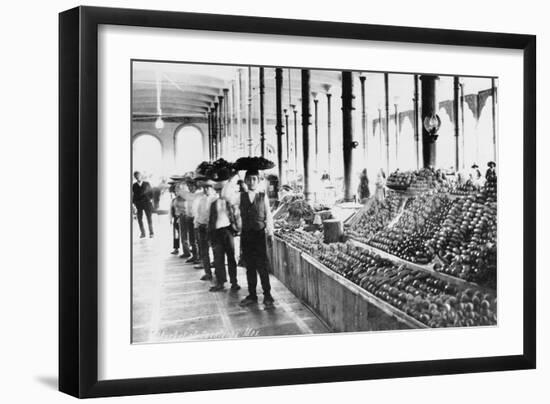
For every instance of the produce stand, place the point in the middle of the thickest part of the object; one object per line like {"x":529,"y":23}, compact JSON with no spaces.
{"x":426,"y":268}
{"x":343,"y":305}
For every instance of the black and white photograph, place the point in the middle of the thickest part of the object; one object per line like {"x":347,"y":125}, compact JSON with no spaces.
{"x":273,"y":201}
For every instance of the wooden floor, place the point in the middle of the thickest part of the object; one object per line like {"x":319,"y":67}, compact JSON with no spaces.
{"x":170,"y":303}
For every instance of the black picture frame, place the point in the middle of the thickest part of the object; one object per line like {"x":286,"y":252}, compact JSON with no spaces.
{"x":78,"y":193}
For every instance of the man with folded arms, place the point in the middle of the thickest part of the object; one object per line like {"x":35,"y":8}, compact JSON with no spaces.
{"x":224,"y":224}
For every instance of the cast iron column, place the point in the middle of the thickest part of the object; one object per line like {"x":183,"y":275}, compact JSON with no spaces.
{"x":494,"y":116}
{"x":416,"y":122}
{"x":363,"y":117}
{"x":462,"y":122}
{"x":226,"y":121}
{"x":329,"y":140}
{"x":295,"y":138}
{"x":279,"y":124}
{"x":239,"y":115}
{"x":316,"y":122}
{"x":456,"y":96}
{"x":215,"y":131}
{"x":429,"y":110}
{"x":347,"y":132}
{"x":249,"y":118}
{"x":262,"y":127}
{"x":305,"y":131}
{"x":221,"y":127}
{"x":387,"y":106}
{"x":287,"y":138}
{"x":209,"y":134}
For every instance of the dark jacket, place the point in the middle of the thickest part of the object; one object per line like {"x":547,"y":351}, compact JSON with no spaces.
{"x":253,"y":214}
{"x":141,"y":195}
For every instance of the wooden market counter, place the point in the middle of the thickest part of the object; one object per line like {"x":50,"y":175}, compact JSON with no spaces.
{"x":342,"y":304}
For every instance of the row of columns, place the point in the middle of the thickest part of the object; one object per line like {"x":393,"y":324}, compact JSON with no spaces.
{"x":426,"y":119}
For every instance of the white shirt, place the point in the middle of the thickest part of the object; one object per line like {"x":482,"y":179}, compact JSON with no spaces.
{"x":222,"y":217}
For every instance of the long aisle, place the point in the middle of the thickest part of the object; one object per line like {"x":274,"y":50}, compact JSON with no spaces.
{"x":171,"y":304}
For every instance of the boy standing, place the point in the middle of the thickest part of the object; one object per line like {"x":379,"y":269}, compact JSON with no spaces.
{"x":257,"y":224}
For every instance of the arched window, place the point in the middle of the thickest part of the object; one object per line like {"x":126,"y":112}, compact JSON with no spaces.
{"x":189,"y":149}
{"x":147,"y":156}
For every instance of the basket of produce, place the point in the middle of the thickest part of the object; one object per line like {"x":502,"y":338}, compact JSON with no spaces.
{"x":222,"y":170}
{"x":300,"y":209}
{"x":203,"y":169}
{"x":253,"y":163}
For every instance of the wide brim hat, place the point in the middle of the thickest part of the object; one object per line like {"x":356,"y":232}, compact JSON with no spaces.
{"x":491,"y":164}
{"x":177,"y":178}
{"x":475,"y":166}
{"x":253,"y":163}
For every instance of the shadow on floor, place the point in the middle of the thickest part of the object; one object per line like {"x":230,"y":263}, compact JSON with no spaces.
{"x":48,"y":381}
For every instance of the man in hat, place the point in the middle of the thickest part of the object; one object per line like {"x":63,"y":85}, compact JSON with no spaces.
{"x":141,"y":198}
{"x":257,"y":224}
{"x":180,"y":206}
{"x":174,"y":219}
{"x":189,"y":220}
{"x":491,"y":174}
{"x":224,"y":224}
{"x":202,"y":218}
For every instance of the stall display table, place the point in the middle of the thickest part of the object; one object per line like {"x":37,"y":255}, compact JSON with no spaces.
{"x":342,"y":304}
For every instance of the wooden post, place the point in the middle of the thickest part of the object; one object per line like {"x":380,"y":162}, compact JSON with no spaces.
{"x":347,"y":132}
{"x":306,"y":76}
{"x":416,"y":122}
{"x":262,"y":127}
{"x":456,"y":96}
{"x":279,"y":120}
{"x":429,"y":109}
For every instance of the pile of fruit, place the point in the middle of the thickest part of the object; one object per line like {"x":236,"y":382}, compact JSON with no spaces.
{"x":418,"y":181}
{"x":463,"y":189}
{"x":376,"y":216}
{"x":466,"y":242}
{"x":420,"y":221}
{"x":432,"y":301}
{"x":400,"y":180}
{"x":302,"y":240}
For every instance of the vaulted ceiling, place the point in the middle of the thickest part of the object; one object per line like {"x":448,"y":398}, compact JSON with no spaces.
{"x":181,"y":90}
